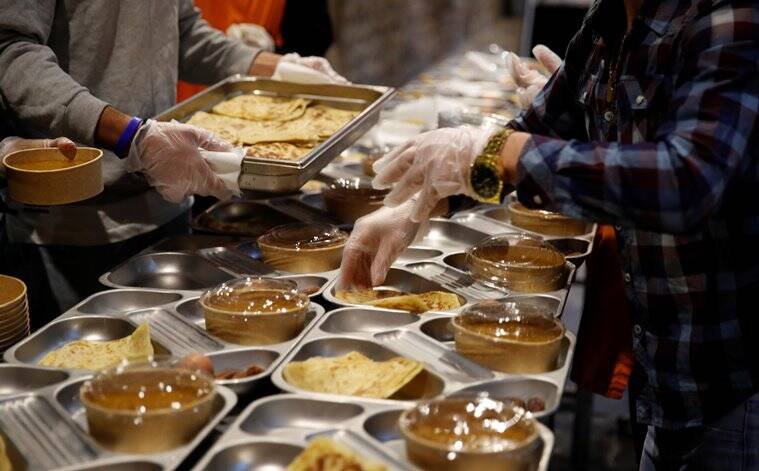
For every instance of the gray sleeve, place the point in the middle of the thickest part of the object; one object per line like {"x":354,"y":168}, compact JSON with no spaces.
{"x":35,"y":88}
{"x":205,"y":54}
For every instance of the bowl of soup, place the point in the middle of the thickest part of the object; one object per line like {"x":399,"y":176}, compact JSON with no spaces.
{"x":512,"y":336}
{"x":470,"y":433}
{"x":46,"y":177}
{"x":255,"y":310}
{"x":303,"y":247}
{"x":147,"y":406}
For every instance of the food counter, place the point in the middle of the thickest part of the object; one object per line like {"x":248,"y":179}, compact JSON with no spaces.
{"x":294,"y":363}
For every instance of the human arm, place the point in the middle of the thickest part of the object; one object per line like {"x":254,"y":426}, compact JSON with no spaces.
{"x":673,"y":183}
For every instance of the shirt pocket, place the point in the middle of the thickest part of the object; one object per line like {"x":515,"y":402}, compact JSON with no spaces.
{"x":642,"y":105}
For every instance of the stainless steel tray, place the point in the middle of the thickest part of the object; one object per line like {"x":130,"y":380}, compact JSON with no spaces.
{"x":437,"y":262}
{"x":282,"y":176}
{"x":177,"y":327}
{"x":45,"y":426}
{"x":381,"y":334}
{"x":272,"y":431}
{"x":203,"y":269}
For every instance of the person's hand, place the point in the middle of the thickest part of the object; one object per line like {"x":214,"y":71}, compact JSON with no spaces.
{"x":529,"y":81}
{"x":168,"y":154}
{"x":316,"y":63}
{"x":435,"y":165}
{"x":376,"y":241}
{"x":252,"y":35}
{"x":11,"y":144}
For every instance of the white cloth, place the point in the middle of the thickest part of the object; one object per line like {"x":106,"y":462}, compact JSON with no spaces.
{"x":227,"y":166}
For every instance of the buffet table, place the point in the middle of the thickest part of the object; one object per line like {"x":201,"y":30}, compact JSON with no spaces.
{"x":263,"y":418}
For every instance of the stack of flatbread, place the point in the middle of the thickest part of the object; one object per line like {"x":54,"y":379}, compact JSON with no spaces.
{"x":324,"y":454}
{"x":352,"y":374}
{"x":273,"y":127}
{"x":414,"y":303}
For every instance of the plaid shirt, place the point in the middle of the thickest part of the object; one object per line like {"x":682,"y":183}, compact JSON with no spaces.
{"x":670,"y":158}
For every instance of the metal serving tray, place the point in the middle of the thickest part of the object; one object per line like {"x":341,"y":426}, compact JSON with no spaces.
{"x":282,"y":176}
{"x":437,"y":262}
{"x":272,"y":431}
{"x":44,"y":424}
{"x":203,"y":269}
{"x":381,"y":334}
{"x":177,"y":327}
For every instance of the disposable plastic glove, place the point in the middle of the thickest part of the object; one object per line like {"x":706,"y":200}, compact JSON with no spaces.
{"x":12,"y":144}
{"x":252,"y":35}
{"x":316,"y":63}
{"x":435,"y":165}
{"x":376,"y":241}
{"x":168,"y":154}
{"x":530,"y":82}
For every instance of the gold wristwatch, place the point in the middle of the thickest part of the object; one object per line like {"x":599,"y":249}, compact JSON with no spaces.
{"x":485,"y":173}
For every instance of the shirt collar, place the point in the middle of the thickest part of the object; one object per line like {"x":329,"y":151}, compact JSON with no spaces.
{"x":608,"y":16}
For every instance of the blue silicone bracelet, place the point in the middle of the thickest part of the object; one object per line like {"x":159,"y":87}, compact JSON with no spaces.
{"x":126,"y":137}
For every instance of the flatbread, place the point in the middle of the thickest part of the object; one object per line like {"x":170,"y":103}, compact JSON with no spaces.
{"x":5,"y":461}
{"x":280,"y":150}
{"x":414,"y":303}
{"x":96,"y":355}
{"x":352,"y":374}
{"x":262,"y":108}
{"x":324,"y":454}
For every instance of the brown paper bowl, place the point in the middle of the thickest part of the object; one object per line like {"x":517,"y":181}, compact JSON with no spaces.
{"x":12,"y":292}
{"x":67,"y":185}
{"x":544,"y":222}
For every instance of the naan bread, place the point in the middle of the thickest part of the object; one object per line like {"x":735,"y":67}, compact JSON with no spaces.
{"x":352,"y":374}
{"x":414,"y":303}
{"x":96,"y":355}
{"x":323,"y":454}
{"x":5,"y":461}
{"x":279,"y":150}
{"x":262,"y":108}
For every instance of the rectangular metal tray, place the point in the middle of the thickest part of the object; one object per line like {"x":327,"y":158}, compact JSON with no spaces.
{"x":45,"y":426}
{"x":282,"y":176}
{"x":381,"y":334}
{"x":272,"y":431}
{"x":177,"y":327}
{"x":196,"y":270}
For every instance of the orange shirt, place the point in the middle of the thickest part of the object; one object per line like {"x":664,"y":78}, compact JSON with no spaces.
{"x":222,"y":13}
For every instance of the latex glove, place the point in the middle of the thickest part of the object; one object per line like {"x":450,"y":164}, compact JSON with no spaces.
{"x":375,"y":243}
{"x":169,"y":156}
{"x":252,"y":35}
{"x":529,"y":81}
{"x":318,"y":64}
{"x":435,"y":165}
{"x":11,"y":144}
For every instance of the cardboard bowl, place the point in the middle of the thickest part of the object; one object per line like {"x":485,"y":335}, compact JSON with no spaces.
{"x":46,"y":177}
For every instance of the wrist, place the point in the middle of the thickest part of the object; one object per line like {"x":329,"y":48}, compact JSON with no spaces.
{"x":264,"y":64}
{"x":510,"y":153}
{"x":111,"y":125}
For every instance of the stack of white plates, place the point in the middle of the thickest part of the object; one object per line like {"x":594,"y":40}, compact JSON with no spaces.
{"x":14,"y":311}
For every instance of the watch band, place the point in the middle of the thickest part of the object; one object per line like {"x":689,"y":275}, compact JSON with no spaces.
{"x":485,"y":173}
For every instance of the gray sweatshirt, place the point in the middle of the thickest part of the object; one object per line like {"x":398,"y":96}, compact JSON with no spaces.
{"x":62,"y":62}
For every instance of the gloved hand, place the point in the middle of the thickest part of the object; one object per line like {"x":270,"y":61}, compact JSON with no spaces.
{"x":252,"y":35}
{"x":318,"y":64}
{"x":11,"y":144}
{"x":435,"y":165}
{"x":530,"y":82}
{"x":168,"y":154}
{"x":376,"y":241}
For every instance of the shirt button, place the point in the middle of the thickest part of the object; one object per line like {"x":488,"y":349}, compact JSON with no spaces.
{"x":627,"y":278}
{"x":637,"y":329}
{"x":609,"y":116}
{"x":640,"y":99}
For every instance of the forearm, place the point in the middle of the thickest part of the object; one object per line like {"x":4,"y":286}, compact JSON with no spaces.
{"x":264,"y":64}
{"x":110,"y":127}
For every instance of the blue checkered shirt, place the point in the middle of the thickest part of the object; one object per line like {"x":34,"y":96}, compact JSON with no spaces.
{"x":656,"y":132}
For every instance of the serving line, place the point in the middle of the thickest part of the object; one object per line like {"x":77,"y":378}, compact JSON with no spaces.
{"x":282,"y":176}
{"x":381,"y":334}
{"x":272,"y":431}
{"x":44,"y":424}
{"x":177,"y":327}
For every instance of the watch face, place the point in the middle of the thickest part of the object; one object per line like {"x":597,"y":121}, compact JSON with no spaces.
{"x":486,"y":181}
